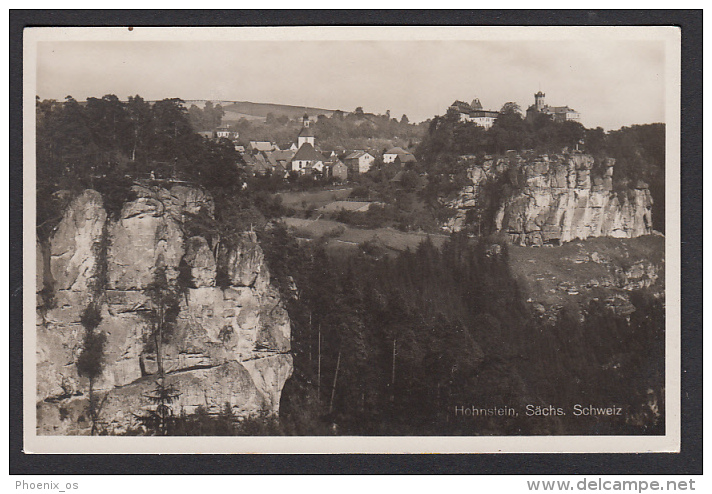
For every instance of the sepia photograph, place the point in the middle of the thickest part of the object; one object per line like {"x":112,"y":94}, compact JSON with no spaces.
{"x":352,"y":239}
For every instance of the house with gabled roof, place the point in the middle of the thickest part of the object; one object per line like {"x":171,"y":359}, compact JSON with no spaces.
{"x":338,"y":170}
{"x":261,"y":164}
{"x":359,"y":161}
{"x":398,"y":154}
{"x":226,"y":133}
{"x":262,"y":146}
{"x":280,"y":171}
{"x":282,"y":157}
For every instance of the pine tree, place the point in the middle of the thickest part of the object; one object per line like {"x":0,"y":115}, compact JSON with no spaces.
{"x":91,"y":360}
{"x":160,"y":419}
{"x":163,"y":311}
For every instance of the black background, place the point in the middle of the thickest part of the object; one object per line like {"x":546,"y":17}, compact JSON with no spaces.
{"x":688,"y":461}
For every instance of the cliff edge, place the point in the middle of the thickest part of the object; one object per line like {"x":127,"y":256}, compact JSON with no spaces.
{"x":552,"y":199}
{"x":230,"y":344}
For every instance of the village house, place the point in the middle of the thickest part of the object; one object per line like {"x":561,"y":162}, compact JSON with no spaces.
{"x":398,"y":154}
{"x":339,"y":171}
{"x":226,"y":133}
{"x":359,"y":161}
{"x":282,"y":157}
{"x":262,"y":146}
{"x":249,"y":164}
{"x":280,"y":170}
{"x":258,"y":164}
{"x":557,"y":113}
{"x":335,"y":168}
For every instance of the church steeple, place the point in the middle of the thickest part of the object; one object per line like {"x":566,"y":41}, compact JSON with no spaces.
{"x":306,"y":135}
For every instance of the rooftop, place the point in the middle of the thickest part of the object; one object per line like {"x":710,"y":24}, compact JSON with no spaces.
{"x":306,"y":132}
{"x":355,"y":154}
{"x":307,"y":153}
{"x":261,"y":145}
{"x":396,"y":150}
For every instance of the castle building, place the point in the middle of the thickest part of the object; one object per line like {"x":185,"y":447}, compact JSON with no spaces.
{"x":474,"y":112}
{"x":557,"y":113}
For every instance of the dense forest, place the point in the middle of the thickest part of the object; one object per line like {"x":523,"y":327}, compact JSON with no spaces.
{"x":106,"y":144}
{"x":405,"y":340}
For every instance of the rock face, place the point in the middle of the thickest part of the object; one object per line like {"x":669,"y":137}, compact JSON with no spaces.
{"x":230,"y":344}
{"x":555,"y":199}
{"x":201,"y":262}
{"x":243,"y":262}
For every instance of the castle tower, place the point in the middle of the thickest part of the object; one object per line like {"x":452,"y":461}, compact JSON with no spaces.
{"x":539,"y":101}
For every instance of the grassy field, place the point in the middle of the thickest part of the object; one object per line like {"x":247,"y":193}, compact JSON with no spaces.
{"x":343,"y":236}
{"x":557,"y":276}
{"x":262,"y":109}
{"x":313,"y":199}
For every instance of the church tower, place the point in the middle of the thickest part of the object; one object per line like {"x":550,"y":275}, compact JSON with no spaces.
{"x":539,"y":101}
{"x":306,"y":135}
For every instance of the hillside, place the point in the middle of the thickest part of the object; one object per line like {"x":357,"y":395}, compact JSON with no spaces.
{"x":234,"y":110}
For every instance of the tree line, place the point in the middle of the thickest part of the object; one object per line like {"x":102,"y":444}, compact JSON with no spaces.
{"x":106,"y":144}
{"x":207,"y":118}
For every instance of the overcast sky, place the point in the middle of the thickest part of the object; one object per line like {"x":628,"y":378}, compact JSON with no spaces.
{"x":610,"y":82}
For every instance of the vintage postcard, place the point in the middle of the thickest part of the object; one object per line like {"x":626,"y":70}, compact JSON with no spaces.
{"x":352,"y":240}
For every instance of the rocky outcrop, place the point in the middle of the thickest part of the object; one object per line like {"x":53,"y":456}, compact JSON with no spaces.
{"x":606,"y":270}
{"x":74,"y":247}
{"x":555,"y":199}
{"x":243,"y":262}
{"x":230,"y":344}
{"x":199,"y":259}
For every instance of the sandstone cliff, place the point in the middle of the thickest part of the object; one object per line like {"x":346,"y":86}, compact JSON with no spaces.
{"x":555,"y":199}
{"x":230,"y":345}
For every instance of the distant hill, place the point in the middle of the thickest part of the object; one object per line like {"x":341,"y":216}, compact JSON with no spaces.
{"x":234,"y":110}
